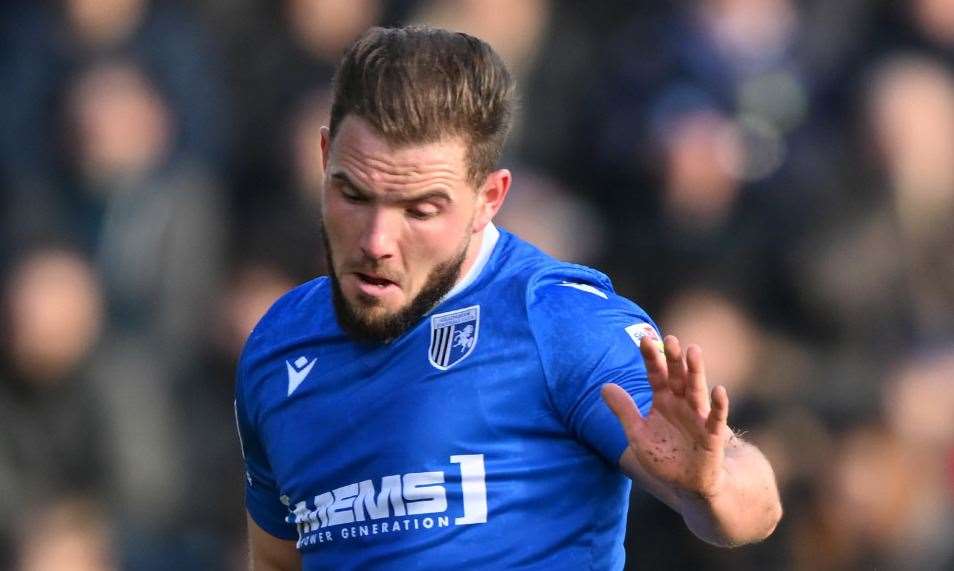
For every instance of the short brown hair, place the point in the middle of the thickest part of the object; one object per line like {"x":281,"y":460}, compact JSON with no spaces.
{"x":420,"y":85}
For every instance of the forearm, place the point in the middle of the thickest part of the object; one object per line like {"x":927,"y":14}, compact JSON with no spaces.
{"x":745,"y":509}
{"x":269,"y":553}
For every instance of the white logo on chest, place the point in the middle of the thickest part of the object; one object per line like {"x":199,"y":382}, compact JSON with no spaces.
{"x":298,"y":372}
{"x":391,"y":506}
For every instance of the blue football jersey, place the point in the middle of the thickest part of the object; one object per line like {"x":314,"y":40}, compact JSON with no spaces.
{"x":476,"y":440}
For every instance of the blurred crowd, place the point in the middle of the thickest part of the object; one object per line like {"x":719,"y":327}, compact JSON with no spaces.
{"x":771,"y":179}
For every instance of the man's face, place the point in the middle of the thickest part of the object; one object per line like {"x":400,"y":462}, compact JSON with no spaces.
{"x":398,"y":223}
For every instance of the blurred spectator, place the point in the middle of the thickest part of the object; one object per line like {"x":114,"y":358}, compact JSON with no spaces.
{"x":252,"y":290}
{"x":731,"y":340}
{"x":313,"y":113}
{"x":767,"y":375}
{"x":514,"y":29}
{"x":935,"y":19}
{"x":210,"y":532}
{"x":54,"y":306}
{"x":162,"y":217}
{"x":883,"y":506}
{"x":324,"y":28}
{"x":104,"y":23}
{"x":919,"y":400}
{"x":49,"y":42}
{"x":123,"y":127}
{"x":539,"y":209}
{"x":157,"y":234}
{"x":709,"y":228}
{"x":282,"y":229}
{"x":878,"y":264}
{"x":68,"y":534}
{"x":912,"y":117}
{"x":922,"y":25}
{"x":285,"y":52}
{"x":51,"y":435}
{"x":738,"y":55}
{"x":703,"y":157}
{"x":694,"y":151}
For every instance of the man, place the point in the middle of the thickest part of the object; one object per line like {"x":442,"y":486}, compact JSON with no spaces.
{"x":437,"y":401}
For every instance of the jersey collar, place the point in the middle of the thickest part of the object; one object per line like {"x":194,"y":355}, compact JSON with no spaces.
{"x":490,"y":237}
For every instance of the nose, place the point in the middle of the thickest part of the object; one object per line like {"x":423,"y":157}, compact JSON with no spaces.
{"x":380,"y":235}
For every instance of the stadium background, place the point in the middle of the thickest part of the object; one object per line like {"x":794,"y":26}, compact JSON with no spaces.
{"x":772,"y":179}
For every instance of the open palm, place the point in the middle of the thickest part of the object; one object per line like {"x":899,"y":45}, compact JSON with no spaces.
{"x":681,"y":443}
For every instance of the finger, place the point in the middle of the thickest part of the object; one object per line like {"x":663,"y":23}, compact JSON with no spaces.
{"x":719,"y":415}
{"x":676,"y":363}
{"x":625,"y":409}
{"x":655,"y":364}
{"x":697,"y":390}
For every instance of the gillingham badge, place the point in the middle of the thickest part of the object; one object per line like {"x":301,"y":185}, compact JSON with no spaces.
{"x":453,"y":336}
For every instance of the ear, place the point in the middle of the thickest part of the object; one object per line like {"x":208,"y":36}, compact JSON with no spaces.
{"x":325,"y":147}
{"x":490,"y":198}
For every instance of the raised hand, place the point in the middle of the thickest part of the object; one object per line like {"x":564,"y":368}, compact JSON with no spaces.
{"x":681,"y":443}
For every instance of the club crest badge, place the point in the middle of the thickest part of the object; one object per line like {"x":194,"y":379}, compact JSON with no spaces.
{"x":453,"y":336}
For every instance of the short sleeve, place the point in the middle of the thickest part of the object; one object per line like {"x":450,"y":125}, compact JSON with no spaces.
{"x":261,"y":492}
{"x":587,"y":336}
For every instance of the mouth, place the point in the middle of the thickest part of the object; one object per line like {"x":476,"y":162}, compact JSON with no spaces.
{"x":373,"y":285}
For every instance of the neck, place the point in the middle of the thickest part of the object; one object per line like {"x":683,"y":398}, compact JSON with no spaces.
{"x":478,"y":252}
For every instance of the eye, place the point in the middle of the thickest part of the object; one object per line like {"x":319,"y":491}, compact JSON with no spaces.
{"x":423,"y":211}
{"x":351,"y":195}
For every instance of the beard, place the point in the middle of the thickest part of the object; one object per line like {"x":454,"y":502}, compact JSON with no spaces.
{"x":362,"y":326}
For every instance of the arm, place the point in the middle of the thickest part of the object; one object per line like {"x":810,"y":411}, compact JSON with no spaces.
{"x":271,"y":539}
{"x":269,"y":553}
{"x":684,"y":453}
{"x":718,"y":520}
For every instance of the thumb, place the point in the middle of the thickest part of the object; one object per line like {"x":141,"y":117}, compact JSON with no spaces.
{"x":625,"y":409}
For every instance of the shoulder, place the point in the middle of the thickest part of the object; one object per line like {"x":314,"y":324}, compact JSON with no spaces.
{"x":581,"y":302}
{"x":300,"y":309}
{"x":529,"y":269}
{"x":570,"y":283}
{"x":575,"y":293}
{"x":554,"y":291}
{"x":586,"y":334}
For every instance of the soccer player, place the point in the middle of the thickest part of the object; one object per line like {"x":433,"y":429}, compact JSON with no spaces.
{"x":449,"y":396}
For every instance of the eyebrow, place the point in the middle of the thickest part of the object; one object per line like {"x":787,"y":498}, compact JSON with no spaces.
{"x":343,"y":178}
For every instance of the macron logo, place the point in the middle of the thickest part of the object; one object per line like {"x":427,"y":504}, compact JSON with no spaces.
{"x":298,"y":371}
